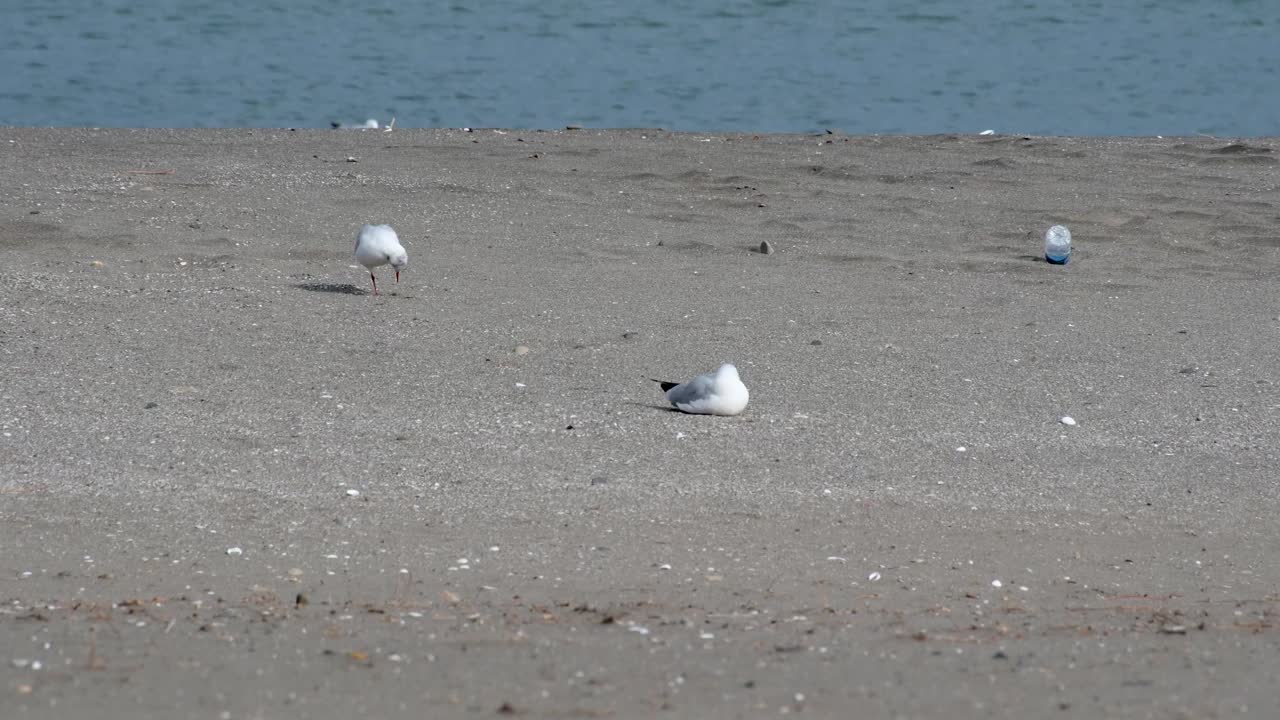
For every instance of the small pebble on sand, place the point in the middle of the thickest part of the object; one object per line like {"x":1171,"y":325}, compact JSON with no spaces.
{"x":1067,"y":420}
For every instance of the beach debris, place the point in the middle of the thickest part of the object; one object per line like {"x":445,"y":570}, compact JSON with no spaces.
{"x":522,"y":350}
{"x":996,"y":583}
{"x":766,"y":247}
{"x":873,"y":577}
{"x":234,"y":551}
{"x":352,"y":492}
{"x":1067,"y":420}
{"x":1057,"y":245}
{"x":715,"y":393}
{"x":97,"y":264}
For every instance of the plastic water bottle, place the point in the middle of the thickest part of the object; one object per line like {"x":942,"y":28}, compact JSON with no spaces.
{"x":1057,"y":245}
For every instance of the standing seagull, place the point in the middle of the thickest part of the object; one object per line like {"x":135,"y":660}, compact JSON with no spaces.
{"x":377,"y":245}
{"x":714,"y":393}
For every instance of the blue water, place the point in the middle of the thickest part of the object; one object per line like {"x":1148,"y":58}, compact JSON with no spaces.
{"x":1077,"y":67}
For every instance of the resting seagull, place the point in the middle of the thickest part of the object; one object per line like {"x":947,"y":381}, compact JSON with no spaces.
{"x":714,"y":393}
{"x":377,"y":245}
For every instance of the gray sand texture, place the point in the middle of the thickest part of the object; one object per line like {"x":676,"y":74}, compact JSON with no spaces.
{"x":234,"y":484}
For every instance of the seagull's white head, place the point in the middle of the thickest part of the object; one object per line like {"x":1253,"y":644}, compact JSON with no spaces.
{"x":727,"y":373}
{"x":399,"y":262}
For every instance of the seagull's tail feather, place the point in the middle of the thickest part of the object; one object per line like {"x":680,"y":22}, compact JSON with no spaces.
{"x":665,"y":385}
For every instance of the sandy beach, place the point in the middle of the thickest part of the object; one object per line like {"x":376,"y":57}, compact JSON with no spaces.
{"x":235,"y":484}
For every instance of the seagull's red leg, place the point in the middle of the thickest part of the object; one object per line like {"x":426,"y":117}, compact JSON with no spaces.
{"x":375,"y":282}
{"x":397,"y":276}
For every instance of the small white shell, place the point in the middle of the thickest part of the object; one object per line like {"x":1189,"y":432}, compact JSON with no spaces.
{"x":1067,"y":420}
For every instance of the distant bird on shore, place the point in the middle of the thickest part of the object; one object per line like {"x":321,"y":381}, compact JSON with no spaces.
{"x":714,"y":393}
{"x":370,"y":124}
{"x":378,"y":245}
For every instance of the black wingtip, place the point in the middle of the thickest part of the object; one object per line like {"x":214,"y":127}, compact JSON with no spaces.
{"x":664,"y":385}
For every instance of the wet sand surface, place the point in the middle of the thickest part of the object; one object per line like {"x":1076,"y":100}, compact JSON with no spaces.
{"x":234,"y":484}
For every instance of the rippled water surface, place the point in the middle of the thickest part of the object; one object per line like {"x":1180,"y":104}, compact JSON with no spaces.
{"x":1073,"y":67}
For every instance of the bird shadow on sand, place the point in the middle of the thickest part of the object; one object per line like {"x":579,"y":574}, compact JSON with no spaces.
{"x":663,"y":408}
{"x":343,"y":289}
